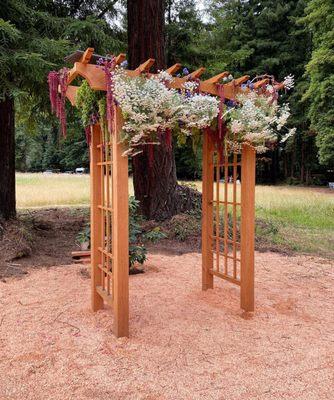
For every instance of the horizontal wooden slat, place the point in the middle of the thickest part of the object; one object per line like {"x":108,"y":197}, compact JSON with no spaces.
{"x":225,"y":277}
{"x":105,"y":296}
{"x":223,"y":255}
{"x":105,"y":163}
{"x":105,"y":252}
{"x":105,"y":208}
{"x":109,"y":273}
{"x":229,"y":203}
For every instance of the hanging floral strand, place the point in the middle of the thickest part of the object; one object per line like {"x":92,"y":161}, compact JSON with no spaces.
{"x":61,"y":114}
{"x":53,"y":81}
{"x":108,"y":67}
{"x":57,"y":91}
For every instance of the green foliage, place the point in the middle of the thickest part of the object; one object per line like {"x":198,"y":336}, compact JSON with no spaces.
{"x":84,"y":235}
{"x":320,"y":94}
{"x":154,"y":235}
{"x":35,"y":36}
{"x":137,"y":251}
{"x":86,"y":102}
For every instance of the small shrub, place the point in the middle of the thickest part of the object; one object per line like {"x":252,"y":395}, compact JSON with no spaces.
{"x":84,"y":235}
{"x":184,"y":226}
{"x":137,"y":250}
{"x":154,"y":235}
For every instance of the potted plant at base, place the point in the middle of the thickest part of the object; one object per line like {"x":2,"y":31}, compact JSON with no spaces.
{"x":83,"y":238}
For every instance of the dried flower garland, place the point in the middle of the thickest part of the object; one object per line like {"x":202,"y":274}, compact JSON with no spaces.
{"x":57,"y":90}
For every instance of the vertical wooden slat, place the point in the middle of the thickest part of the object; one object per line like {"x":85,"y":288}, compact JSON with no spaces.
{"x":226,"y":177}
{"x":207,"y":213}
{"x":218,"y":209}
{"x":247,"y":227}
{"x":234,"y":237}
{"x":120,"y":241}
{"x":108,"y":231}
{"x":95,"y":217}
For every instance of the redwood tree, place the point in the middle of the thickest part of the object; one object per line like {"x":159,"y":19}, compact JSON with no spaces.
{"x":7,"y":158}
{"x":154,"y":170}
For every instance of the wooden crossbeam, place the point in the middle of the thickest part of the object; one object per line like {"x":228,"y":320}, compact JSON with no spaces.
{"x":174,"y":68}
{"x":145,"y":67}
{"x":71,"y":93}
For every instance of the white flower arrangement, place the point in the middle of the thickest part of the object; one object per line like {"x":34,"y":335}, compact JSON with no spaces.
{"x":256,"y":120}
{"x":150,"y":108}
{"x":289,"y":82}
{"x":149,"y":105}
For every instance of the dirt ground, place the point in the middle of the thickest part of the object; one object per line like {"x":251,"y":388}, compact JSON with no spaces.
{"x":39,"y":238}
{"x":184,"y":343}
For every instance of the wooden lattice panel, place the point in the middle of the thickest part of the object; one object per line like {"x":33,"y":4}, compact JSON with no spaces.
{"x":226,"y":216}
{"x":106,"y":214}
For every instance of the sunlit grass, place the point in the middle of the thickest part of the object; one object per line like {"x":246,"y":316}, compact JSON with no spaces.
{"x":53,"y":190}
{"x":300,"y":206}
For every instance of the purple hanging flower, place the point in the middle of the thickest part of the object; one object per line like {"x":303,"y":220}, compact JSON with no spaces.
{"x":108,"y":67}
{"x":53,"y":81}
{"x":57,"y":91}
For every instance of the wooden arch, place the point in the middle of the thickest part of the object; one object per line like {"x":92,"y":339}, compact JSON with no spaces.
{"x":227,"y":243}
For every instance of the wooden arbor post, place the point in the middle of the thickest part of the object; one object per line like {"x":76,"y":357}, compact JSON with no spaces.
{"x":247,"y":233}
{"x":120,"y":231}
{"x":207,"y":213}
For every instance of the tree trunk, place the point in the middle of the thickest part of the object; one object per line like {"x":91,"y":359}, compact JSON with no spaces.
{"x":7,"y":158}
{"x":155,"y":182}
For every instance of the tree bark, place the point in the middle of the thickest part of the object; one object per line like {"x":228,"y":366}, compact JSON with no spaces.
{"x":7,"y":158}
{"x":154,"y":178}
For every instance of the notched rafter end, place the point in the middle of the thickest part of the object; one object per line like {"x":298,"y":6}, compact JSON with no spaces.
{"x":261,"y":83}
{"x":145,"y":67}
{"x":217,"y":78}
{"x":87,"y":55}
{"x":241,"y":80}
{"x":197,"y":73}
{"x":174,"y":68}
{"x":120,"y":58}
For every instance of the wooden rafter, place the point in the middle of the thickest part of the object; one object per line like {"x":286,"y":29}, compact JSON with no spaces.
{"x":87,"y":55}
{"x":174,"y":68}
{"x":145,"y":67}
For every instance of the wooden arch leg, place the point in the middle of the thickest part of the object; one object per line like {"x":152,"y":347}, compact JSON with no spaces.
{"x":207,"y":213}
{"x":120,"y":233}
{"x":247,"y":227}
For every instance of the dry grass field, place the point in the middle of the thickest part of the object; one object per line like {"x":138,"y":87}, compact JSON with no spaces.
{"x":300,"y":218}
